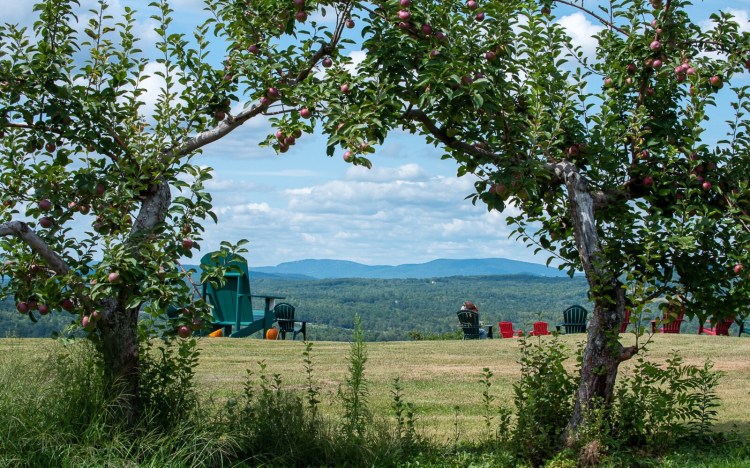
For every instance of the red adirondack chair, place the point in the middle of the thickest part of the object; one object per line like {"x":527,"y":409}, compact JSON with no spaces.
{"x":721,"y":328}
{"x":625,"y":322}
{"x":540,"y":329}
{"x":507,"y":331}
{"x":671,"y":323}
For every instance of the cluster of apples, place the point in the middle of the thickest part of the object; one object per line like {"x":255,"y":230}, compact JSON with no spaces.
{"x":405,"y":23}
{"x":186,"y":330}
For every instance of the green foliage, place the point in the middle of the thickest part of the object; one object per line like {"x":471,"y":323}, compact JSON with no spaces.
{"x":354,"y":392}
{"x":404,"y":412}
{"x":313,"y":389}
{"x":167,"y":371}
{"x":544,"y":398}
{"x":487,"y":401}
{"x":658,"y":406}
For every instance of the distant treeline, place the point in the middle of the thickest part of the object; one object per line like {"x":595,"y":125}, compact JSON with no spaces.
{"x":391,"y":309}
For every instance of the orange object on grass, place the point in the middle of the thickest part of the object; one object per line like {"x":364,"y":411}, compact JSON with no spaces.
{"x":272,"y":334}
{"x":217,"y":333}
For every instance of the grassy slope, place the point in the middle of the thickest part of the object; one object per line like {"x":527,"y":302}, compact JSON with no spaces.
{"x":436,"y":375}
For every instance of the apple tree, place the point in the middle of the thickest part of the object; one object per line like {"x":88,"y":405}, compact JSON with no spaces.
{"x":629,"y":166}
{"x":101,"y":194}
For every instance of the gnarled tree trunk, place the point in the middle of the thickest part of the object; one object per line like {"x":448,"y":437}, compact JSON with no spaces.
{"x":119,"y":343}
{"x":603,"y":352}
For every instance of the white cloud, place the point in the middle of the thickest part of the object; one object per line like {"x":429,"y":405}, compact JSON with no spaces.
{"x":396,"y":215}
{"x":356,"y":57}
{"x":581,"y":32}
{"x":410,"y":172}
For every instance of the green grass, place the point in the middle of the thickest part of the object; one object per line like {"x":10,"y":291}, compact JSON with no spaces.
{"x":439,"y":375}
{"x":436,"y":376}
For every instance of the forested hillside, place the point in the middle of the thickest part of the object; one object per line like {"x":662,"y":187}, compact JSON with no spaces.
{"x":391,"y":308}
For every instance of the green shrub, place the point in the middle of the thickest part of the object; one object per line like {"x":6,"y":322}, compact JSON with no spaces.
{"x":656,"y":407}
{"x":544,"y":397}
{"x":167,"y":371}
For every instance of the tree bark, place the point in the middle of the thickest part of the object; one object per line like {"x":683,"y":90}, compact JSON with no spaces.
{"x":119,"y":343}
{"x":603,"y":352}
{"x":118,"y":326}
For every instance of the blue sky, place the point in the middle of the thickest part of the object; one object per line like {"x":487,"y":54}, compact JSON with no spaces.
{"x":410,"y":208}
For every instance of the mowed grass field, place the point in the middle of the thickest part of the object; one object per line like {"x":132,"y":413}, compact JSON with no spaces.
{"x":438,"y":376}
{"x":441,"y":378}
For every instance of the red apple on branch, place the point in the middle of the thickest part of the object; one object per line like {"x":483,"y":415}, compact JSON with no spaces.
{"x":184,"y":331}
{"x":187,"y":243}
{"x":44,"y":204}
{"x":113,"y":277}
{"x":738,"y":268}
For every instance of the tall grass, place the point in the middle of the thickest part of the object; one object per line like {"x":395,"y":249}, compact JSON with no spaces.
{"x":54,"y":412}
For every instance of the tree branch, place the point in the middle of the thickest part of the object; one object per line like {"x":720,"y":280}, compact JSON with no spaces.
{"x":153,"y":209}
{"x":604,"y":21}
{"x":231,"y":123}
{"x":37,"y":244}
{"x":451,"y":142}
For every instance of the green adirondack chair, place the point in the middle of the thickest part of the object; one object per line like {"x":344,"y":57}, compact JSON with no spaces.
{"x":232,"y":302}
{"x":574,"y":320}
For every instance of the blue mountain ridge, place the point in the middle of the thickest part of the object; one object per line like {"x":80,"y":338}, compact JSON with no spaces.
{"x":329,"y":269}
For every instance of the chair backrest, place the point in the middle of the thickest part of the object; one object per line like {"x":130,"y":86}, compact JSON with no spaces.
{"x":284,"y":316}
{"x":722,"y":327}
{"x":574,"y":318}
{"x":540,"y":328}
{"x":225,"y":298}
{"x":506,"y":329}
{"x":469,"y":321}
{"x":625,"y":321}
{"x":672,"y":323}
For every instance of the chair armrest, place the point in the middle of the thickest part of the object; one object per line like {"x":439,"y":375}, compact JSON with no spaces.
{"x":267,"y":296}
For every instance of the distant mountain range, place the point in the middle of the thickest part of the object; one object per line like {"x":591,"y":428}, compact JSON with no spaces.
{"x":325,"y":269}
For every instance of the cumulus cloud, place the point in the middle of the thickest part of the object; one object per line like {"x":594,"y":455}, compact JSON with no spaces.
{"x":581,"y":32}
{"x":400,"y":214}
{"x":410,"y":172}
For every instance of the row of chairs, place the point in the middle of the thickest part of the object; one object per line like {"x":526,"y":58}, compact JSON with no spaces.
{"x":575,"y":318}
